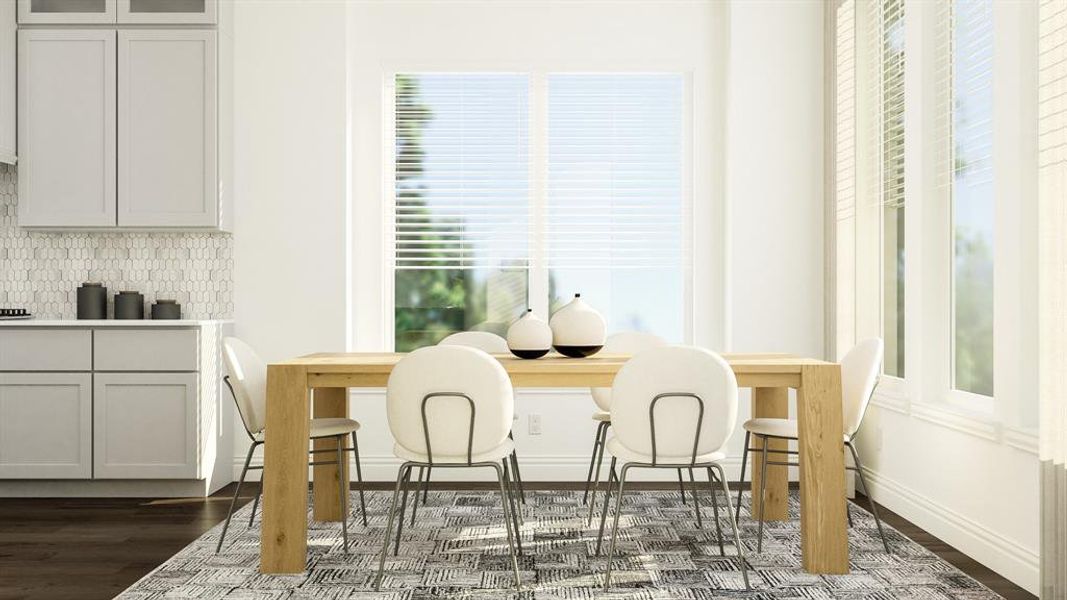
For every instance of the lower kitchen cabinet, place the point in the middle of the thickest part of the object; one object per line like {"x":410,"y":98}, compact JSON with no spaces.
{"x":145,"y":425}
{"x":46,"y":425}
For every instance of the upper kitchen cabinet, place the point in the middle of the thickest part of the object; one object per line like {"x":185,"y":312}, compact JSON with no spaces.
{"x":66,"y":128}
{"x":166,"y":11}
{"x":67,"y":11}
{"x":167,"y":128}
{"x":7,"y":82}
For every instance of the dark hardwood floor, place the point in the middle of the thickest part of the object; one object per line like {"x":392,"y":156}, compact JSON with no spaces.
{"x":58,"y":549}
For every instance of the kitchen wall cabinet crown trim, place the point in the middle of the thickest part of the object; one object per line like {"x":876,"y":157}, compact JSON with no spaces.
{"x":123,"y":12}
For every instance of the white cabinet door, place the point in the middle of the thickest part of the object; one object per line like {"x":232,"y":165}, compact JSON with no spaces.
{"x":145,"y":426}
{"x":66,"y":11}
{"x":166,"y":124}
{"x":166,"y":11}
{"x":7,"y":81}
{"x":66,"y":128}
{"x":46,"y":425}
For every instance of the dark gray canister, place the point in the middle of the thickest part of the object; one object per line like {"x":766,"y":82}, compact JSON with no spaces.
{"x":166,"y":309}
{"x":92,"y":301}
{"x":129,"y":305}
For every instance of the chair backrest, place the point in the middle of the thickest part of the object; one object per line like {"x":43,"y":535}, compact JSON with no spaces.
{"x":482,"y":340}
{"x":449,"y":369}
{"x":680,"y":372}
{"x":248,"y":380}
{"x":859,"y":375}
{"x":626,"y":342}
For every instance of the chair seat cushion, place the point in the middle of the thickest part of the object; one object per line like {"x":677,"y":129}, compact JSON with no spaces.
{"x":601,"y":416}
{"x":786,"y":428}
{"x":327,"y":427}
{"x":781,"y":428}
{"x":496,"y":454}
{"x":626,"y":455}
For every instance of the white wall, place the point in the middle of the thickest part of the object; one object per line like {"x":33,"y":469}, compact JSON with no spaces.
{"x":763,"y":286}
{"x":290,"y":170}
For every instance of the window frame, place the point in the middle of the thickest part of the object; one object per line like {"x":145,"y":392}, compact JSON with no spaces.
{"x":538,"y":270}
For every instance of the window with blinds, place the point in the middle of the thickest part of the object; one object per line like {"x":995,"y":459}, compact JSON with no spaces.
{"x":967,"y":33}
{"x":491,"y":217}
{"x":615,"y":197}
{"x":889,"y":53}
{"x":460,"y":203}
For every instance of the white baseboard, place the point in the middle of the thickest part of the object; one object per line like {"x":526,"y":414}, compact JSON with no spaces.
{"x":1007,"y":557}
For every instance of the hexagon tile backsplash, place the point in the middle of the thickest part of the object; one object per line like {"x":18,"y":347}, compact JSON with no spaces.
{"x":41,"y":271}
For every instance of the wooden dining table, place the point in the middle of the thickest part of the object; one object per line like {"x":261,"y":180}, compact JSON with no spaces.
{"x":316,"y":385}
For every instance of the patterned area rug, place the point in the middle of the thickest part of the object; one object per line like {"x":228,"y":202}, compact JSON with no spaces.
{"x":458,"y":549}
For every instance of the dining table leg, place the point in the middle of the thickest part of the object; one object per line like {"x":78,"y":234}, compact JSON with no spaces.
{"x":823,"y":520}
{"x":328,"y":403}
{"x":283,"y":539}
{"x":771,"y":403}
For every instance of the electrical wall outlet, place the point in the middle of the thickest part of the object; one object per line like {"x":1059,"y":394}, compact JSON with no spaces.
{"x":534,"y":424}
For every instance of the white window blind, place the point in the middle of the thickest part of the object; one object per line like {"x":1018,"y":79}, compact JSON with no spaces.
{"x":465,"y":204}
{"x":615,"y":160}
{"x":1052,"y":86}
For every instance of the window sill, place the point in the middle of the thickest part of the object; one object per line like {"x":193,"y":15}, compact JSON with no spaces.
{"x":892,"y":394}
{"x":1022,"y":438}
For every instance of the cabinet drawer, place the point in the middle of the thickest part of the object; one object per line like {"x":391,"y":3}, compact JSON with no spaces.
{"x":46,"y":350}
{"x":145,"y":350}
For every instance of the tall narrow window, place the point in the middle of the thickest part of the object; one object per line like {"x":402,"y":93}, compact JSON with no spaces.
{"x":891,"y":100}
{"x":616,"y":209}
{"x":461,"y":197}
{"x":971,"y":39}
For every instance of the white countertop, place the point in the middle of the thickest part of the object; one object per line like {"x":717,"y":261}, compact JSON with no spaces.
{"x":110,"y":323}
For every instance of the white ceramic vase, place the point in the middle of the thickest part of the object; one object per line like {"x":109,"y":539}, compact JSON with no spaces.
{"x":529,"y":336}
{"x":577,"y":329}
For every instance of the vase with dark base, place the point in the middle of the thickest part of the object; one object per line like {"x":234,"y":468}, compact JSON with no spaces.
{"x":529,"y":336}
{"x":578,"y":330}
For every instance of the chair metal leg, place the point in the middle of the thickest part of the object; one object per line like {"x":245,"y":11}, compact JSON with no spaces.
{"x":696,"y":499}
{"x":740,"y":482}
{"x":518,"y":476}
{"x":867,"y":490}
{"x":425,"y":484}
{"x":604,"y":511}
{"x":255,"y":503}
{"x":512,"y":504}
{"x":415,"y":499}
{"x":596,"y":475}
{"x":507,"y":524}
{"x":762,"y":492}
{"x":681,"y":485}
{"x":342,"y":491}
{"x":403,"y":508}
{"x":592,"y":459}
{"x":615,"y":524}
{"x":733,"y":525}
{"x":359,"y":477}
{"x":237,"y":492}
{"x":715,"y":507}
{"x":848,"y":513}
{"x":389,"y":525}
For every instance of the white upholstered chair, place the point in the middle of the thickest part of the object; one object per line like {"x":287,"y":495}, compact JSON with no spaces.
{"x":859,"y":376}
{"x":672,"y":407}
{"x":450,"y":407}
{"x":247,"y":380}
{"x":626,"y":342}
{"x":490,"y":343}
